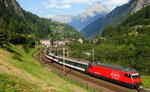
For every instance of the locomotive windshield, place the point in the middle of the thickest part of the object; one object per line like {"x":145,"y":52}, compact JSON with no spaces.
{"x":135,"y":75}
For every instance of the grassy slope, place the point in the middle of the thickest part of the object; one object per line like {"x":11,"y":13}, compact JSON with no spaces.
{"x":29,"y":75}
{"x":146,"y":81}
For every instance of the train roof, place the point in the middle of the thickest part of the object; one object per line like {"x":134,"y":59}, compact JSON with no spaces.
{"x":116,"y":67}
{"x":82,"y":61}
{"x":77,"y":60}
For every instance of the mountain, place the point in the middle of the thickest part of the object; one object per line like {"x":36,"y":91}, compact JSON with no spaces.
{"x":140,"y":19}
{"x":19,"y":25}
{"x":91,"y":14}
{"x":115,"y":17}
{"x":15,"y":6}
{"x":9,"y":8}
{"x":60,"y":18}
{"x":140,"y":5}
{"x":96,"y":9}
{"x":88,"y":16}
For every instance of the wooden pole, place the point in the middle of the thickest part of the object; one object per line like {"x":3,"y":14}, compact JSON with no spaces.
{"x":64,"y":59}
{"x":93,"y":54}
{"x":67,"y":53}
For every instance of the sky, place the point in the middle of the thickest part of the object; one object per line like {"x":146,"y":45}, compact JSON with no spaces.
{"x":64,"y":7}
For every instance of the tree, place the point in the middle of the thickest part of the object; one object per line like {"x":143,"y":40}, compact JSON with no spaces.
{"x":4,"y":34}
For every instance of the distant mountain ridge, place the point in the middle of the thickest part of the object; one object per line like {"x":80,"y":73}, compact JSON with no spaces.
{"x":80,"y":21}
{"x":115,"y":17}
{"x":91,"y":14}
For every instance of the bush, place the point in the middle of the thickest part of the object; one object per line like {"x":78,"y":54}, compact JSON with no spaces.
{"x":29,"y":43}
{"x":17,"y":56}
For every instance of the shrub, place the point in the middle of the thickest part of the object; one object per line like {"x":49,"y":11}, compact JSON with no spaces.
{"x":17,"y":56}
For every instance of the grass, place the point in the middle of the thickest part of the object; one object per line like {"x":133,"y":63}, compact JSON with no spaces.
{"x":146,"y":81}
{"x":10,"y":83}
{"x":28,"y":74}
{"x":77,"y":83}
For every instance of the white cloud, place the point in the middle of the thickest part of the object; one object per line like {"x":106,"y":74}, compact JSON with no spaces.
{"x":79,"y":1}
{"x":111,"y":4}
{"x":65,"y":6}
{"x":56,"y":11}
{"x":75,"y":1}
{"x":31,"y":9}
{"x":53,"y":4}
{"x":115,"y":2}
{"x":56,"y":6}
{"x":47,"y":16}
{"x":34,"y":10}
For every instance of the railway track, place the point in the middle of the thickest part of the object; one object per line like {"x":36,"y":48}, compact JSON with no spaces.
{"x":95,"y":83}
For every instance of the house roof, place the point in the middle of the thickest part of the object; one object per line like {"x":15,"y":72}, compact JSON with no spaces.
{"x":45,"y":39}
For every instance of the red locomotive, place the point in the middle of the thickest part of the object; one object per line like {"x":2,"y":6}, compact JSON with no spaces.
{"x":118,"y":74}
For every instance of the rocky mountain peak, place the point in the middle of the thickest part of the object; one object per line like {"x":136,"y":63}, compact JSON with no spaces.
{"x":5,"y":3}
{"x":140,"y":5}
{"x":16,"y":7}
{"x":96,"y":8}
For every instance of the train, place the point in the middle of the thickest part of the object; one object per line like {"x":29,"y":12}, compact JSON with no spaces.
{"x":124,"y":76}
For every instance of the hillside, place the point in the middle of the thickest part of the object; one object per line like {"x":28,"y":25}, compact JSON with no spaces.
{"x":140,"y":18}
{"x":135,"y":24}
{"x":18,"y":25}
{"x":44,"y":28}
{"x":19,"y":71}
{"x":115,"y":17}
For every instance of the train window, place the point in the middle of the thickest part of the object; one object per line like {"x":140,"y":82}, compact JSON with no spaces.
{"x":72,"y":63}
{"x":91,"y":67}
{"x":80,"y":65}
{"x":75,"y":64}
{"x":127,"y":75}
{"x":68,"y":62}
{"x":136,"y":75}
